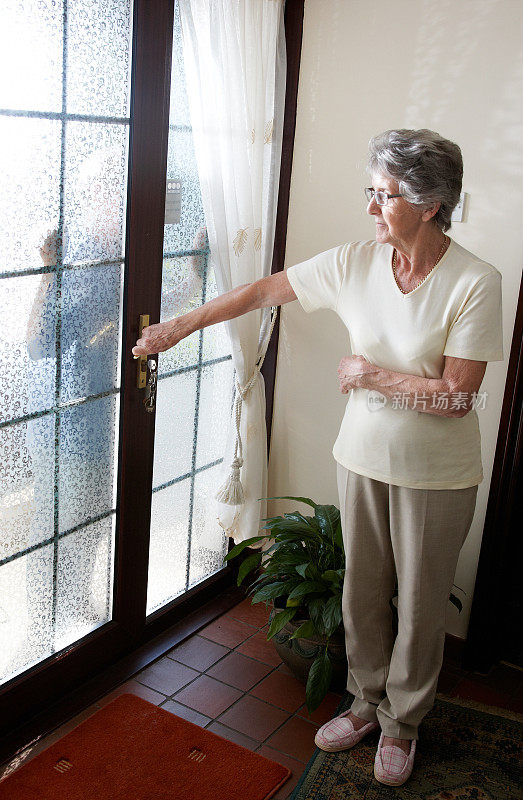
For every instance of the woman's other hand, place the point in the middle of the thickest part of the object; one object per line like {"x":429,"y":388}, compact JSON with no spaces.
{"x":160,"y":337}
{"x":351,"y":372}
{"x":49,"y":248}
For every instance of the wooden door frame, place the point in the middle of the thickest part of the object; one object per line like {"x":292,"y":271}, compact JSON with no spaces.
{"x":483,"y":647}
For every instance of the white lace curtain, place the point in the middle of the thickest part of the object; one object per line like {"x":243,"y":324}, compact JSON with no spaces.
{"x":235,"y":63}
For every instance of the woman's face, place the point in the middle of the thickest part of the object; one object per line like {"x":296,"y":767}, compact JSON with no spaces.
{"x":398,"y":223}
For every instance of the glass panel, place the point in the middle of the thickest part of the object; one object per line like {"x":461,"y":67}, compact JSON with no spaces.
{"x":60,"y":349}
{"x":26,"y":485}
{"x":215,"y":412}
{"x":181,"y":292}
{"x":168,"y":547}
{"x":98,"y":47}
{"x":31,"y":55}
{"x":181,"y":168}
{"x":179,"y":109}
{"x":95,"y":189}
{"x":86,"y":465}
{"x":193,"y":408}
{"x":84,"y":581}
{"x":28,"y":376}
{"x":208,"y":540}
{"x":174,"y":433}
{"x":90,"y":325}
{"x":30,"y":196}
{"x":26,"y":611}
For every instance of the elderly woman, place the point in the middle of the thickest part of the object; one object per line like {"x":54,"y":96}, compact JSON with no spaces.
{"x":424,"y":317}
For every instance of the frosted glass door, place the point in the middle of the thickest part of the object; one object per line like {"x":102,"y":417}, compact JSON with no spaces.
{"x":195,"y":381}
{"x":64,"y":129}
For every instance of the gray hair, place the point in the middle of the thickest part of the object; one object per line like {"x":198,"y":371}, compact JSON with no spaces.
{"x":427,"y":167}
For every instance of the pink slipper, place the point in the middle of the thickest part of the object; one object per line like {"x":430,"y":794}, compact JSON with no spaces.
{"x":339,"y":734}
{"x":392,"y":765}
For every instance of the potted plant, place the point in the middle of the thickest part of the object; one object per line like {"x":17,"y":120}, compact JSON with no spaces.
{"x":302,"y":574}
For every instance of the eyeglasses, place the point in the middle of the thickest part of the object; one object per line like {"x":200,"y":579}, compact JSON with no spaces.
{"x":381,"y":198}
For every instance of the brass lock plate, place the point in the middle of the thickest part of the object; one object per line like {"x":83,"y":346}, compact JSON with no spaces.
{"x":141,"y":364}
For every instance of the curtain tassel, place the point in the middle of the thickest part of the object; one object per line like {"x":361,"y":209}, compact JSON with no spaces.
{"x":232,"y":490}
{"x":231,"y":493}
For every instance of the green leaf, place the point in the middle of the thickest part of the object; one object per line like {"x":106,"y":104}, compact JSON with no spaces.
{"x":273,"y":590}
{"x":313,"y":573}
{"x":318,"y":681}
{"x":332,"y":614}
{"x":305,"y":631}
{"x":316,"y":611}
{"x":328,"y":517}
{"x":287,"y":497}
{"x":333,"y":576}
{"x":301,"y":569}
{"x":239,"y":548}
{"x":299,"y":518}
{"x":247,"y":566}
{"x":305,"y":588}
{"x":279,"y":620}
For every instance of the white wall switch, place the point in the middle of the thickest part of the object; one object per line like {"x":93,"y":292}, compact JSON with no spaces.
{"x":457,"y":214}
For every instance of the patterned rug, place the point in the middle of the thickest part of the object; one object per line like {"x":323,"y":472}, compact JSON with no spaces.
{"x":465,"y":751}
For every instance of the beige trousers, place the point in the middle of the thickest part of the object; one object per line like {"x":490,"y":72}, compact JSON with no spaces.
{"x":416,"y":535}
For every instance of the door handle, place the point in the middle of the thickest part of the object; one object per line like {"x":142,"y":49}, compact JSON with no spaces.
{"x":141,"y":364}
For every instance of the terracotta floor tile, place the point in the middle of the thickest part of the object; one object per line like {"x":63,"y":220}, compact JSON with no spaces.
{"x":233,"y":736}
{"x":295,"y":766}
{"x":254,"y":718}
{"x":166,"y":676}
{"x":208,"y":696}
{"x":258,"y":647}
{"x":295,"y":739}
{"x":470,"y":690}
{"x":198,"y":653}
{"x":186,"y":713}
{"x":239,"y":671}
{"x":285,"y":669}
{"x":227,"y":631}
{"x":283,"y":691}
{"x":325,"y":711}
{"x":256,"y":615}
{"x":133,"y":687}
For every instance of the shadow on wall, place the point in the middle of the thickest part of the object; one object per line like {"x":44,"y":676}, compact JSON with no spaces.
{"x":482,"y":74}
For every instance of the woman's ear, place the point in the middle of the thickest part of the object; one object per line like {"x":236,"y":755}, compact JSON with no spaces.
{"x":431,"y":212}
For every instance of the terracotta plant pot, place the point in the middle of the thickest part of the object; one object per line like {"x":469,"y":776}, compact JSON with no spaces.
{"x":299,"y":654}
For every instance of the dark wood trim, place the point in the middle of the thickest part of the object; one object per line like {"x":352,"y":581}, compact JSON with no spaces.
{"x":484,"y":645}
{"x":151,"y":78}
{"x":293,"y":40}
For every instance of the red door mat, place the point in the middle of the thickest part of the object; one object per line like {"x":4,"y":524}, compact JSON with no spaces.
{"x":132,"y":750}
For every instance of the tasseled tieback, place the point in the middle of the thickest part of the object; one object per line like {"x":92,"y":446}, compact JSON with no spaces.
{"x":231,"y":492}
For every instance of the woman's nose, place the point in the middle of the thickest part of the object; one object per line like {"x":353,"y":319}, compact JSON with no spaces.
{"x":373,"y":207}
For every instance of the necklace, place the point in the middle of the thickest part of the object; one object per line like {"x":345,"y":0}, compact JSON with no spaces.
{"x":440,"y":254}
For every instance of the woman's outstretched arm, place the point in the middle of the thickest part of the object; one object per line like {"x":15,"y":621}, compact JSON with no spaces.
{"x":274,"y":290}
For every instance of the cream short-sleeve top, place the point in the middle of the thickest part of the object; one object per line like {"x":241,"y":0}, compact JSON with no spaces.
{"x":456,"y":311}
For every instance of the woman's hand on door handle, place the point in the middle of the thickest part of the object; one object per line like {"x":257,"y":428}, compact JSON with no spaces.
{"x":161,"y":336}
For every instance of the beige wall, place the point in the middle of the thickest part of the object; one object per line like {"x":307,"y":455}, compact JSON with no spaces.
{"x":366,"y":66}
